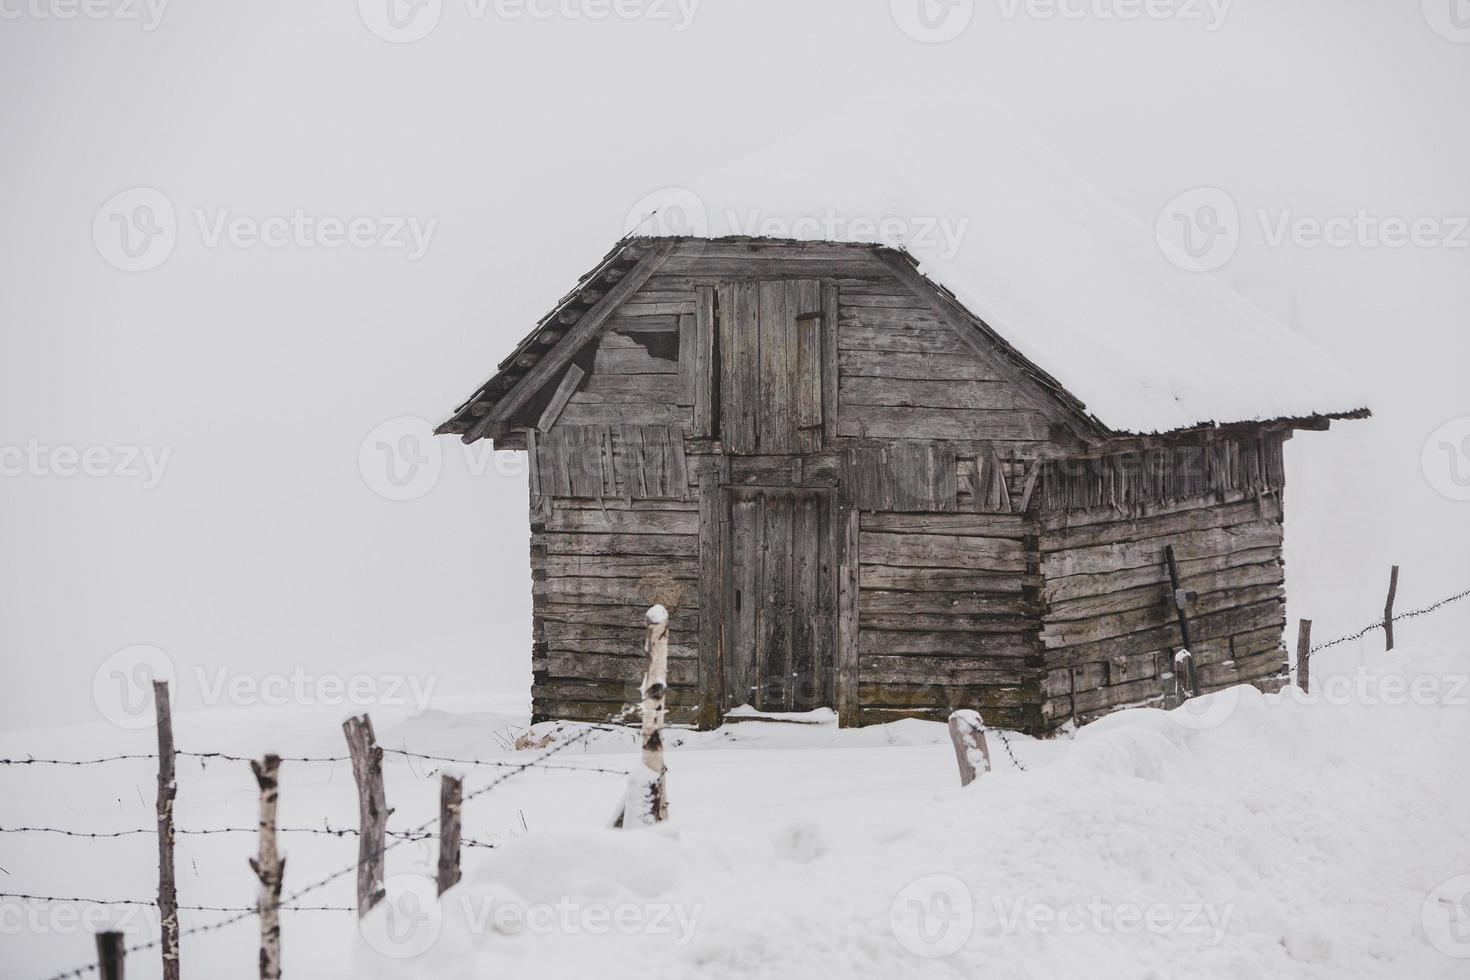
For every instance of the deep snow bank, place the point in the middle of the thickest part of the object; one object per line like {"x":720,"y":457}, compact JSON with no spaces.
{"x":1244,"y":836}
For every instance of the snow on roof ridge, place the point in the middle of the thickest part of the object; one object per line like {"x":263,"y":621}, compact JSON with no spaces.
{"x":1075,"y":282}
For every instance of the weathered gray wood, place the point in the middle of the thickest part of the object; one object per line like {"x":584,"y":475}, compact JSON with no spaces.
{"x":963,"y":524}
{"x":1073,"y":632}
{"x":846,"y":558}
{"x":621,"y":667}
{"x":921,"y":367}
{"x":1270,"y":613}
{"x":560,"y":397}
{"x":621,"y":542}
{"x":945,"y":643}
{"x":1393,"y":590}
{"x":934,"y":579}
{"x":941,"y":551}
{"x":1103,"y":584}
{"x":1134,"y":554}
{"x":831,"y":300}
{"x":704,"y":340}
{"x":1152,"y":594}
{"x":1202,"y":515}
{"x":688,"y":361}
{"x":269,"y":867}
{"x":372,"y":810}
{"x":111,"y":956}
{"x":573,"y":340}
{"x":451,"y":798}
{"x":1304,"y":655}
{"x":936,"y":604}
{"x":623,"y":522}
{"x":923,"y":393}
{"x":967,"y":732}
{"x":920,"y":669}
{"x":168,"y":902}
{"x":775,"y":415}
{"x":738,"y":310}
{"x":895,"y":422}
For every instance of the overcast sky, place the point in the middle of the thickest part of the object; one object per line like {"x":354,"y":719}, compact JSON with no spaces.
{"x":234,"y":357}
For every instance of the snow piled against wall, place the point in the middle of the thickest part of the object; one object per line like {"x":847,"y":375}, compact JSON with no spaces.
{"x":1248,"y":836}
{"x":1077,"y":284}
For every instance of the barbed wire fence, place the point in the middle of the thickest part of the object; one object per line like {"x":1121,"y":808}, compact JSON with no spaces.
{"x":289,"y":902}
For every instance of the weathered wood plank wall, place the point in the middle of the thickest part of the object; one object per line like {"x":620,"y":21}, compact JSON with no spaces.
{"x":1108,"y":627}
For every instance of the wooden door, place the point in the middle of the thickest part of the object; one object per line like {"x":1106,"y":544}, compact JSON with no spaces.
{"x":780,"y":600}
{"x":770,"y":337}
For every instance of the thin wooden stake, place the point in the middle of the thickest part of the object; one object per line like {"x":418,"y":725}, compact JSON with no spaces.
{"x":451,"y":795}
{"x":1393,"y":590}
{"x":1304,"y":655}
{"x":646,"y":800}
{"x":269,"y":867}
{"x":967,"y":732}
{"x":168,"y":898}
{"x":110,"y":955}
{"x":372,"y":810}
{"x":1180,"y":598}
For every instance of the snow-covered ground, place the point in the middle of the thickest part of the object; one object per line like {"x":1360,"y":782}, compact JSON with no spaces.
{"x":1242,"y":836}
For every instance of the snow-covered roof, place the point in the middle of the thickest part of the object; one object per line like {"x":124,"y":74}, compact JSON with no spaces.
{"x":1078,"y":285}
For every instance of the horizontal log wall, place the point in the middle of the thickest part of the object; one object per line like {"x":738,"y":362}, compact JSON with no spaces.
{"x":1108,"y":626}
{"x":947,"y":617}
{"x":905,"y":374}
{"x":596,"y":567}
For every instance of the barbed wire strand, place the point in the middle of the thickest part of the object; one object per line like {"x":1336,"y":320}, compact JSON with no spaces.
{"x":197,"y":831}
{"x":1413,"y":613}
{"x":322,"y":882}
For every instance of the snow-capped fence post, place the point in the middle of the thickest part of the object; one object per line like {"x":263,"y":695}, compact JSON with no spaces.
{"x":1393,"y":590}
{"x":1304,"y":655}
{"x":269,"y":867}
{"x":168,"y":896}
{"x":1186,"y":681}
{"x":372,"y":810}
{"x":646,"y":800}
{"x":110,"y":954}
{"x":451,"y":796}
{"x":967,"y":732}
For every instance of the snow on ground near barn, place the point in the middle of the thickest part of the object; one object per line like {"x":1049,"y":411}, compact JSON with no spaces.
{"x":1248,"y":836}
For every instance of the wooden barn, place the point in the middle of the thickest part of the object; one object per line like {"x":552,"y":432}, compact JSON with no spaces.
{"x":853,"y":492}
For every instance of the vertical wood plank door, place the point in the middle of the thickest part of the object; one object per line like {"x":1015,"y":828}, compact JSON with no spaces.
{"x":780,"y":615}
{"x":771,"y":360}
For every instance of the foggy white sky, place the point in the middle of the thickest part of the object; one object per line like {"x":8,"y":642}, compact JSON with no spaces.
{"x":261,"y":370}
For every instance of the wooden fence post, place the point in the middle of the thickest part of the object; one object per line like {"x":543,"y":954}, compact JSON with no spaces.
{"x":1304,"y":655}
{"x":967,"y":732}
{"x":1393,"y":590}
{"x":451,"y":795}
{"x":646,"y":800}
{"x":1186,"y":680}
{"x":269,"y":867}
{"x":372,"y":810}
{"x":168,"y":899}
{"x":110,"y":955}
